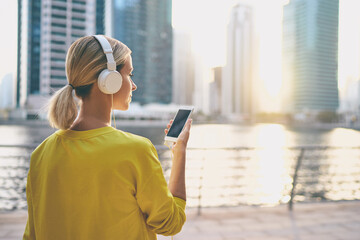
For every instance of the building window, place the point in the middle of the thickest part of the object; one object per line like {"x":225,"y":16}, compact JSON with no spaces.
{"x":59,"y":34}
{"x":76,"y":35}
{"x":58,"y":25}
{"x":58,"y":68}
{"x":58,"y":16}
{"x":78,"y":27}
{"x":78,"y":19}
{"x":78,"y":2}
{"x":57,"y":51}
{"x":57,"y":42}
{"x":78,"y":10}
{"x":58,"y":8}
{"x":58,"y":60}
{"x":58,"y":77}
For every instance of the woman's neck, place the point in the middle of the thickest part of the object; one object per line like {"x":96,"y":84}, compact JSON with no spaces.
{"x":93,"y":114}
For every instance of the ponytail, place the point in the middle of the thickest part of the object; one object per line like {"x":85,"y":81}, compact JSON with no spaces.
{"x":62,"y":108}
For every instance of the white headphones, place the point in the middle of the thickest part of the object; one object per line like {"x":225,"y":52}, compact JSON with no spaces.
{"x":109,"y":80}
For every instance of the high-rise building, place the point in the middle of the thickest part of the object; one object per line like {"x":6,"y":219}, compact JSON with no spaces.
{"x":145,"y":27}
{"x":46,"y":30}
{"x":238,"y":81}
{"x":310,"y":54}
{"x":215,"y":91}
{"x":7,"y":92}
{"x":203,"y":76}
{"x":183,"y":69}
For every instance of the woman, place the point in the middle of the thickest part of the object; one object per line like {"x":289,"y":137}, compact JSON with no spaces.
{"x":91,"y":181}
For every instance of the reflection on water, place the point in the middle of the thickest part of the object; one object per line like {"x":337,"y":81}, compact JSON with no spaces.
{"x":219,"y":173}
{"x":272,"y":170}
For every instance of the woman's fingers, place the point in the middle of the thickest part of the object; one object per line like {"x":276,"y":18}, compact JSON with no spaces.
{"x":168,"y":126}
{"x":184,"y":135}
{"x":170,"y":123}
{"x":188,"y":125}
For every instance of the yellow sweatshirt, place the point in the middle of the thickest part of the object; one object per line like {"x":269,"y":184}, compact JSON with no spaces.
{"x":100,"y":184}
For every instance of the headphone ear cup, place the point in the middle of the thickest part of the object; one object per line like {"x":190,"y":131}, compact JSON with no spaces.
{"x":109,"y":82}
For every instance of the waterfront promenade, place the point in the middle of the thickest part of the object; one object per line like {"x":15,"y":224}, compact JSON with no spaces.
{"x":308,"y":221}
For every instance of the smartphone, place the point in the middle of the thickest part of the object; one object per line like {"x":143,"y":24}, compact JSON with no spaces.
{"x":178,"y":124}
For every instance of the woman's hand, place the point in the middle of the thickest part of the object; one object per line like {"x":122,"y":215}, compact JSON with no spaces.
{"x":181,"y":143}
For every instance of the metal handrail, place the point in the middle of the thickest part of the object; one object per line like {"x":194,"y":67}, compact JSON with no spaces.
{"x":298,"y":164}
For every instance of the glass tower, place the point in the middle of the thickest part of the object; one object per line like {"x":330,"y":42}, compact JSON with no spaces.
{"x":100,"y":5}
{"x":310,"y":53}
{"x":145,"y":27}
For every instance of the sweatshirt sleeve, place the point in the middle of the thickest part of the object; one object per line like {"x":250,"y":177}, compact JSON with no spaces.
{"x":164,"y":214}
{"x":29,"y":233}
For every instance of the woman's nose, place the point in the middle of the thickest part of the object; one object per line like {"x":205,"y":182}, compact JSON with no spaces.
{"x":133,"y":86}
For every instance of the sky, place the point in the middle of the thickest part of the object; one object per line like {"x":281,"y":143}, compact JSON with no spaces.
{"x":349,"y":42}
{"x":207,"y":20}
{"x":8,"y":29}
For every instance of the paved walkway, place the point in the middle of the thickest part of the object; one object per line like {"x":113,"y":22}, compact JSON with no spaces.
{"x":315,"y":221}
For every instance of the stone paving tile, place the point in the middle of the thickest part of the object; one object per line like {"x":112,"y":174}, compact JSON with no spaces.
{"x":3,"y":233}
{"x":325,"y":229}
{"x":241,"y":222}
{"x":233,"y":235}
{"x":318,"y":237}
{"x":286,"y":233}
{"x":15,"y":234}
{"x":268,"y":238}
{"x":346,"y":235}
{"x":15,"y":226}
{"x":234,"y":238}
{"x":198,"y":236}
{"x":353,"y":226}
{"x":248,"y":234}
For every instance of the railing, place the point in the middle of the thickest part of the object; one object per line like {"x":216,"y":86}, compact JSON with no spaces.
{"x":306,"y":173}
{"x":230,"y":176}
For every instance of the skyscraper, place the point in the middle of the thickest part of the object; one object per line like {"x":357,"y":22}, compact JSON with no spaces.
{"x":238,"y":82}
{"x":7,"y":91}
{"x":183,"y":69}
{"x":215,"y":91}
{"x":46,"y":30}
{"x":310,"y":50}
{"x":145,"y":27}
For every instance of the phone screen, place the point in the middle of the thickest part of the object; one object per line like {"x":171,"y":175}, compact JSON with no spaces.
{"x":179,"y":122}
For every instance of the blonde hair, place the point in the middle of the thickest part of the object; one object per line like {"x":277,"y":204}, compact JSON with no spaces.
{"x":85,"y":60}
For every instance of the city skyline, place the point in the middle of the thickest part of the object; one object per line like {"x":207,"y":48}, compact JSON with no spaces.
{"x":269,"y":61}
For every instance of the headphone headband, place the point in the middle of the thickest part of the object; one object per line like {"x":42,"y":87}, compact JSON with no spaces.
{"x":109,"y":80}
{"x":111,"y":64}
